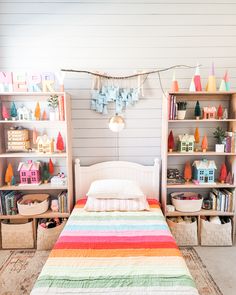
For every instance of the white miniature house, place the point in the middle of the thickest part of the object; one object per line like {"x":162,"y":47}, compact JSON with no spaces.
{"x":45,"y":144}
{"x":186,"y":143}
{"x":24,"y":114}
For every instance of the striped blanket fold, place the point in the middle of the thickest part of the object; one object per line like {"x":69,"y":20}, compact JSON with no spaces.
{"x":123,"y":253}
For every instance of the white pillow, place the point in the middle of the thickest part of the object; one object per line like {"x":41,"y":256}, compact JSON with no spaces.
{"x":115,"y":189}
{"x":93,"y":204}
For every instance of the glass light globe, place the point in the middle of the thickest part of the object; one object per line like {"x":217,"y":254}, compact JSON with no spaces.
{"x":116,"y":123}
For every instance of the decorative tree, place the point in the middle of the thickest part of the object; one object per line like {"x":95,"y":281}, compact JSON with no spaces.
{"x":5,"y":113}
{"x":226,"y":78}
{"x":220,"y":112}
{"x":35,"y":135}
{"x":211,"y":83}
{"x":229,"y":178}
{"x":197,"y":137}
{"x":45,"y":173}
{"x":197,"y":111}
{"x":171,"y":142}
{"x":187,"y":171}
{"x":50,"y":167}
{"x":9,"y":174}
{"x":13,"y":180}
{"x":223,"y":173}
{"x":60,"y":143}
{"x":44,"y":116}
{"x":37,"y":111}
{"x":13,"y":111}
{"x":192,"y":87}
{"x":197,"y":79}
{"x":174,"y":85}
{"x":204,"y":144}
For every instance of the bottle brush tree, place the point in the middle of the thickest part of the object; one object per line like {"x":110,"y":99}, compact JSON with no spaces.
{"x":13,"y":111}
{"x":220,"y":112}
{"x":35,"y":135}
{"x":37,"y":112}
{"x":50,"y":167}
{"x":204,"y":144}
{"x":5,"y":113}
{"x":45,"y":173}
{"x":187,"y":171}
{"x":197,"y":110}
{"x":9,"y":174}
{"x":223,"y":173}
{"x":60,"y":143}
{"x":171,"y":142}
{"x":44,"y":116}
{"x":229,"y":178}
{"x":196,"y":137}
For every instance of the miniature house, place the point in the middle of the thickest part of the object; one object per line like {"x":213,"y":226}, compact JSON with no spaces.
{"x":186,"y":143}
{"x":45,"y":144}
{"x":29,"y":172}
{"x":209,"y":113}
{"x":24,"y":114}
{"x":204,"y":171}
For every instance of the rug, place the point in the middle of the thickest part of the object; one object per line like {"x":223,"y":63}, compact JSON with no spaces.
{"x":20,"y":269}
{"x":204,"y":281}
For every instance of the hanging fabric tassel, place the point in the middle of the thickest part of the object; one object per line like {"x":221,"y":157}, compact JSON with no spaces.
{"x":96,"y":82}
{"x":141,"y":80}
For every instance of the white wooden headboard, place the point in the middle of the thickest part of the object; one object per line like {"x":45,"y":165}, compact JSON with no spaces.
{"x":148,"y":177}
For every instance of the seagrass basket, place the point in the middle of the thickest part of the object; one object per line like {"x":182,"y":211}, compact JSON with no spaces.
{"x":17,"y":236}
{"x":47,"y":237}
{"x":185,"y":234}
{"x":216,"y":234}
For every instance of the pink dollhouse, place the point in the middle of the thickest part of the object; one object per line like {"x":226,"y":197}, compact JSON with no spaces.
{"x":29,"y":172}
{"x":209,"y":113}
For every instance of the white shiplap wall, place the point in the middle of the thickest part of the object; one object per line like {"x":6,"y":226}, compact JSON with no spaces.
{"x":118,"y":37}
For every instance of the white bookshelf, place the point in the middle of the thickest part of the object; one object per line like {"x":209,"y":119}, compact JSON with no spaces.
{"x":177,"y":159}
{"x":62,"y":161}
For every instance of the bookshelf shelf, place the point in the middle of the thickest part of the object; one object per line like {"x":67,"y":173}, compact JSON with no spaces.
{"x":42,"y":186}
{"x":201,"y":186}
{"x":210,"y":153}
{"x":48,"y":214}
{"x":177,"y":160}
{"x":33,"y":155}
{"x":202,"y":121}
{"x":38,"y":122}
{"x":200,"y":213}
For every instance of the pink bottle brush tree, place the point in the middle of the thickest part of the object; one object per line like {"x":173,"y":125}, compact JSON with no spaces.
{"x":5,"y":113}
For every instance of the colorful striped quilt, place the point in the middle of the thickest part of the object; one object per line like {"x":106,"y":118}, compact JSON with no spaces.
{"x":128,"y":253}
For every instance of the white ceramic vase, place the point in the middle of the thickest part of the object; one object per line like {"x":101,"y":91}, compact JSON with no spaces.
{"x":181,"y":114}
{"x":54,"y":115}
{"x":219,"y":148}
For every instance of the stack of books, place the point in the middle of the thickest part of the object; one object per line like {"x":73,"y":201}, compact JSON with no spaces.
{"x":8,"y":202}
{"x":222,"y":200}
{"x":172,"y":107}
{"x":62,"y":202}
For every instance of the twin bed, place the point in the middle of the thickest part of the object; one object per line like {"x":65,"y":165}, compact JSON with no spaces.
{"x":117,"y":252}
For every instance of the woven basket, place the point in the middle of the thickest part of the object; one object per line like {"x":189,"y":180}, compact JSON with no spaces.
{"x":17,"y":236}
{"x":33,"y":209}
{"x":216,"y":234}
{"x":185,"y":234}
{"x":47,"y":237}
